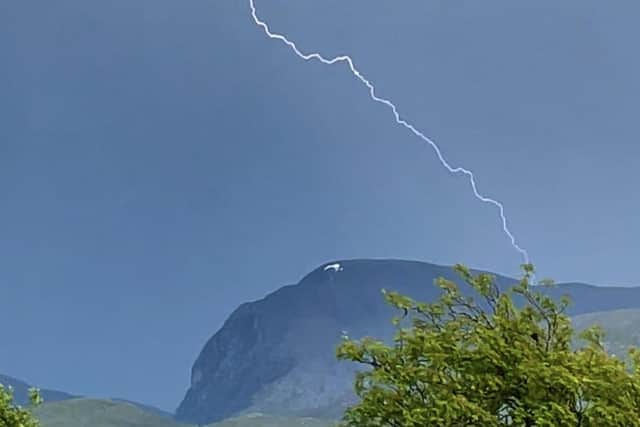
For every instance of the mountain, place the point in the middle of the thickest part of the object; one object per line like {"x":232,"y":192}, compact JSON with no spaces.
{"x":277,"y":355}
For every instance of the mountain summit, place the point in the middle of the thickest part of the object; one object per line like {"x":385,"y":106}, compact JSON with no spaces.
{"x":277,"y":355}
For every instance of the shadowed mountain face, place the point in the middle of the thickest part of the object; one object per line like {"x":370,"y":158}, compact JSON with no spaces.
{"x":277,"y":355}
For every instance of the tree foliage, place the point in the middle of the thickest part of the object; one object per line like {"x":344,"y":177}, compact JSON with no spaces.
{"x":12,"y":415}
{"x":458,"y":362}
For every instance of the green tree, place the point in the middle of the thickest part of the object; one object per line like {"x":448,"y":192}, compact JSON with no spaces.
{"x":458,"y":362}
{"x":12,"y":415}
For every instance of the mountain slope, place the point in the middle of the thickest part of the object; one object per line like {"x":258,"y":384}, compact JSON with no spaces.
{"x":146,"y":408}
{"x":277,"y":355}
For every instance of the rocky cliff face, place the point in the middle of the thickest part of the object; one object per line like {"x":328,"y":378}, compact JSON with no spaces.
{"x":277,"y":355}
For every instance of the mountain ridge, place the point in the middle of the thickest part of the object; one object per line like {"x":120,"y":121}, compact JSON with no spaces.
{"x":276,"y":354}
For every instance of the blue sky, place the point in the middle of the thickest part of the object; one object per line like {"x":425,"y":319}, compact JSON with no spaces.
{"x":162,"y":162}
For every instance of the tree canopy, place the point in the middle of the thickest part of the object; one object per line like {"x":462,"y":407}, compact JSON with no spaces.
{"x":487,"y":361}
{"x":12,"y":415}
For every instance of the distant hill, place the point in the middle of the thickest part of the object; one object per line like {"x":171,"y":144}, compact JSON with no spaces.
{"x":277,"y":355}
{"x":98,"y":413}
{"x":21,"y":391}
{"x":21,"y":396}
{"x":66,"y":410}
{"x":107,"y":413}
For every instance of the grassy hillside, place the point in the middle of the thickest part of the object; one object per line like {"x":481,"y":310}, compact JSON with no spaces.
{"x":622,"y":328}
{"x":262,"y":420}
{"x":21,"y":396}
{"x":98,"y":413}
{"x":108,"y":413}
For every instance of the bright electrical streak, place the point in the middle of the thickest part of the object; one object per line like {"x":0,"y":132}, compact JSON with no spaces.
{"x":398,"y":119}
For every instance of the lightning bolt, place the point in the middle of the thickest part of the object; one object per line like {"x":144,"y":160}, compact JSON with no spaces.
{"x":398,"y":118}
